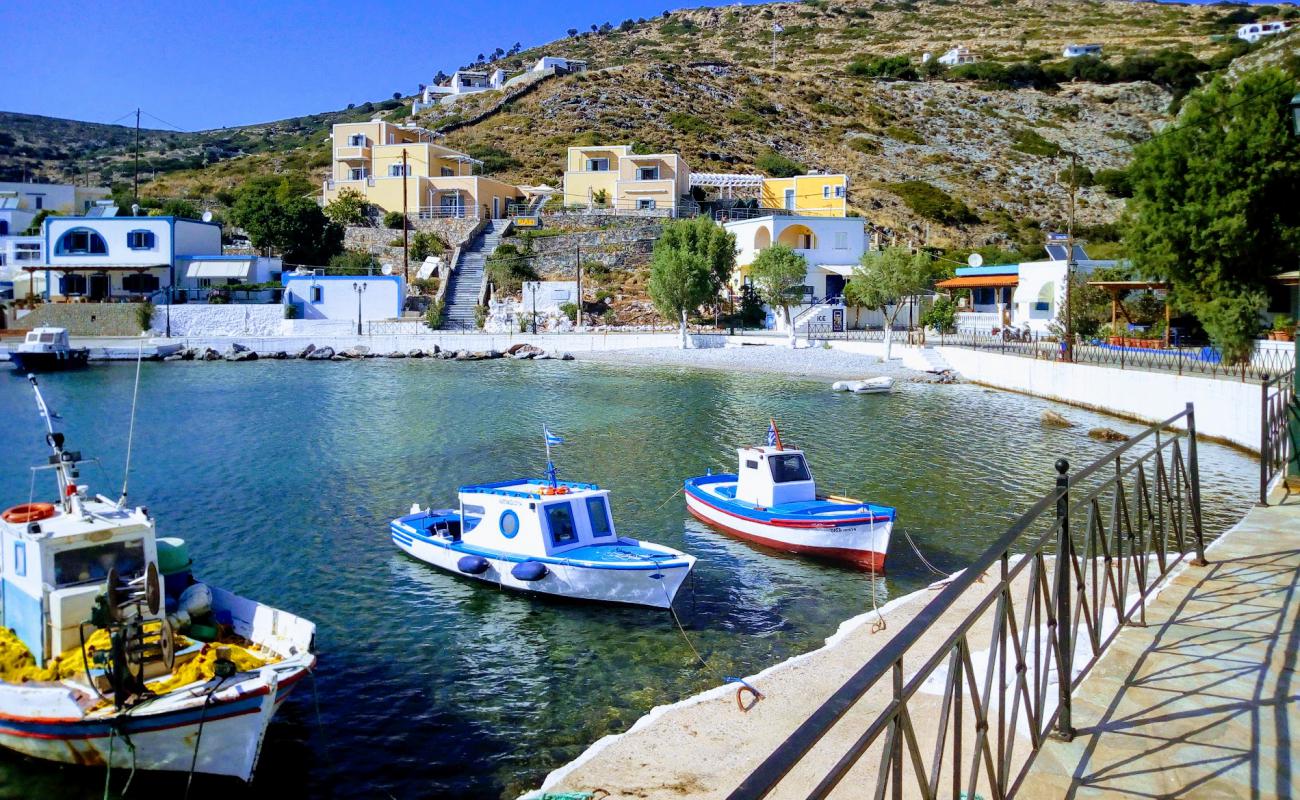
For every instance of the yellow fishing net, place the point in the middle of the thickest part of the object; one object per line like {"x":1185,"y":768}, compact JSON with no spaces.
{"x":17,"y":665}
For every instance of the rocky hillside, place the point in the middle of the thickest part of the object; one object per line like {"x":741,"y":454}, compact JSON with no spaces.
{"x":958,"y":160}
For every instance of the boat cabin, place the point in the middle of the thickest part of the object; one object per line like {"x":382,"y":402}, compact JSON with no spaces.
{"x":533,"y":518}
{"x":45,"y":340}
{"x":772,"y":476}
{"x":56,"y":557}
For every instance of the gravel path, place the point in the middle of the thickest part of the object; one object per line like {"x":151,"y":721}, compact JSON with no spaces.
{"x":814,"y":362}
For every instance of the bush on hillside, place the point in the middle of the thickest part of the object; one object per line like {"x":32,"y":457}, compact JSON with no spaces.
{"x":394,"y":220}
{"x":1079,"y":175}
{"x":507,"y":269}
{"x":1034,"y":143}
{"x":778,"y":166}
{"x":1115,"y":182}
{"x":932,"y":202}
{"x":893,"y":67}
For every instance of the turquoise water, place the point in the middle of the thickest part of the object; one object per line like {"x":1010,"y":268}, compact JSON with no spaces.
{"x":283,"y":477}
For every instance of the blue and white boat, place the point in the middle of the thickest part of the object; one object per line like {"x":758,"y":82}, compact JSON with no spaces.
{"x":546,"y":536}
{"x":772,"y":499}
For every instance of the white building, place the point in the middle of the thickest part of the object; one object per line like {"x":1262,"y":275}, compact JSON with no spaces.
{"x":103,"y":258}
{"x":1079,"y":50}
{"x":559,"y":64}
{"x":1255,"y":31}
{"x":958,"y":56}
{"x":20,"y":202}
{"x":15,"y":253}
{"x":462,"y":82}
{"x":1028,"y":295}
{"x":345,"y":297}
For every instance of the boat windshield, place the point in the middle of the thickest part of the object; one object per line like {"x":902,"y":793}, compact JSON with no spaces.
{"x":86,"y":564}
{"x":559,"y":518}
{"x":788,"y":468}
{"x":599,"y":514}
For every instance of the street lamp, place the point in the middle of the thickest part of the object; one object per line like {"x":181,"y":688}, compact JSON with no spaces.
{"x":533,"y":286}
{"x":360,"y":289}
{"x":1293,"y":423}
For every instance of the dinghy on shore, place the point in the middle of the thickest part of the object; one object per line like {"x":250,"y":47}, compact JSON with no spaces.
{"x":772,"y":499}
{"x":546,"y":536}
{"x":881,"y":385}
{"x":112,"y":653}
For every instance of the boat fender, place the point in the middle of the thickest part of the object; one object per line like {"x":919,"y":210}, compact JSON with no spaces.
{"x":29,"y":512}
{"x":196,"y":600}
{"x":472,"y":565}
{"x":529,"y":571}
{"x":561,"y":490}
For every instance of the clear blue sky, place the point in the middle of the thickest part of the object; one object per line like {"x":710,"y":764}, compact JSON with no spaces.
{"x":233,"y":62}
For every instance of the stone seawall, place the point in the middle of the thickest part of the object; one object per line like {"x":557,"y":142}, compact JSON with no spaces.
{"x":86,"y":319}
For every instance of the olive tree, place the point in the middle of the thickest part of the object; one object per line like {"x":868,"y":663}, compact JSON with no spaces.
{"x":884,"y":279}
{"x":778,"y":272}
{"x":692,"y":262}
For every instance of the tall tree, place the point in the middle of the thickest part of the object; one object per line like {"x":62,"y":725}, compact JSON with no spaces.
{"x":276,"y":217}
{"x":692,"y":261}
{"x":883,"y":280}
{"x":1214,"y":208}
{"x":778,"y":272}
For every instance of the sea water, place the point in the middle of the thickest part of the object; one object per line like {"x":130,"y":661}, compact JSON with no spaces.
{"x":283,"y":477}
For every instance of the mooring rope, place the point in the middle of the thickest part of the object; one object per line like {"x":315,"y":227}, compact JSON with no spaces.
{"x":670,"y":497}
{"x":744,"y":685}
{"x":924,"y":560}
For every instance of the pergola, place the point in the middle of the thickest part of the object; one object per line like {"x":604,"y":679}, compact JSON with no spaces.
{"x":97,"y":269}
{"x":1117,"y":289}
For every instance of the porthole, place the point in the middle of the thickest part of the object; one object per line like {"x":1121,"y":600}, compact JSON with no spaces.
{"x":509,"y":524}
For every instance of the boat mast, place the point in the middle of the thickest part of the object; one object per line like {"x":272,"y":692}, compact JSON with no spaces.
{"x":65,"y":464}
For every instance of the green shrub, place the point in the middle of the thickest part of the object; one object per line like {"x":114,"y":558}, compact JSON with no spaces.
{"x":353,"y":262}
{"x":394,"y":220}
{"x":893,"y":67}
{"x":1034,"y":143}
{"x":570,"y":310}
{"x":1115,"y":182}
{"x":932,"y":202}
{"x":904,"y":134}
{"x":687,"y":123}
{"x":941,"y":315}
{"x":433,"y":314}
{"x":144,"y":314}
{"x":507,"y":268}
{"x":424,"y":245}
{"x":864,"y":145}
{"x":290,"y":311}
{"x":494,"y":158}
{"x":1079,"y":175}
{"x":778,"y":166}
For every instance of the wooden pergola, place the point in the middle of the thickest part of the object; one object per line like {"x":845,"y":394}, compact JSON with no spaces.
{"x":1117,"y":289}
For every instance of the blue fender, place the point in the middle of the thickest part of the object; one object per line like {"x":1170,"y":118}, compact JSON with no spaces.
{"x":472,"y":565}
{"x":529,"y":570}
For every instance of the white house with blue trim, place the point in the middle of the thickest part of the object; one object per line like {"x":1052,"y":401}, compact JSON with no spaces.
{"x":107,"y":258}
{"x":1028,"y":296}
{"x":345,"y":297}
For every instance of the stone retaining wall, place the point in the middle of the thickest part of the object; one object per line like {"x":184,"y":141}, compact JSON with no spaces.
{"x":85,"y":319}
{"x":620,"y":247}
{"x":375,"y":240}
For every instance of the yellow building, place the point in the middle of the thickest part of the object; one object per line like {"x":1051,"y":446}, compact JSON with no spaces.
{"x":612,"y":176}
{"x":815,"y":195}
{"x":379,"y":159}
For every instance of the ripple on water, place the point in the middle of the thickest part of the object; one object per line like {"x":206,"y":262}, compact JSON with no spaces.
{"x":283,"y":477}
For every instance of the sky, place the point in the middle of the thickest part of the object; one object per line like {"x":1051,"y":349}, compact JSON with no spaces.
{"x":199,"y":65}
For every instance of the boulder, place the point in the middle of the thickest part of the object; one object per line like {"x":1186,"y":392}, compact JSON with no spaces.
{"x":435,"y":350}
{"x":1051,"y":419}
{"x":543,"y":357}
{"x":445,"y":355}
{"x":396,"y":354}
{"x":320,"y":354}
{"x":1107,"y":435}
{"x":356,"y":351}
{"x":306,"y":351}
{"x":189,"y":353}
{"x":465,"y":355}
{"x":278,"y":355}
{"x":415,"y":353}
{"x":521,"y":355}
{"x":241,"y":355}
{"x":494,"y":354}
{"x":566,"y":356}
{"x":339,"y":357}
{"x":515,"y":348}
{"x":238,"y":348}
{"x":174,"y":357}
{"x":211,"y":355}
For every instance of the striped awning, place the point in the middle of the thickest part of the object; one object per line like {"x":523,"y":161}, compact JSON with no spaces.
{"x":220,"y":268}
{"x":978,"y":282}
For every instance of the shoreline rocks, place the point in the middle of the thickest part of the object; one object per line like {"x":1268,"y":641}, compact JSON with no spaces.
{"x":238,"y":353}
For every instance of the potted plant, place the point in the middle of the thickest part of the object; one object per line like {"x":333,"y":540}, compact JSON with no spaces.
{"x":1283,"y":328}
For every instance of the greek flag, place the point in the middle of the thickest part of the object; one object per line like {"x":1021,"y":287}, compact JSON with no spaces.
{"x":776,"y":28}
{"x":771,"y":434}
{"x":551,"y":439}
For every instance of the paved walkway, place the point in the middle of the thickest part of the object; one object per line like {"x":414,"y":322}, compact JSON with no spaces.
{"x":1201,"y":702}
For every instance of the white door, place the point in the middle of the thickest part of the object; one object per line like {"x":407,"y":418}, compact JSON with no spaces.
{"x":789,"y":199}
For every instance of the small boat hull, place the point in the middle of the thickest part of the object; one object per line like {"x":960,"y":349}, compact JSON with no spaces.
{"x":634,"y":583}
{"x":864,"y":545}
{"x":49,"y":362}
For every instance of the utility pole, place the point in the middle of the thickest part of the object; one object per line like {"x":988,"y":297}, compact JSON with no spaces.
{"x":776,"y":28}
{"x":1069,"y":260}
{"x":135,"y":190}
{"x":406,"y":259}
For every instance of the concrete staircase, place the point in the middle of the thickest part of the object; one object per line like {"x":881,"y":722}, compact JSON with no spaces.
{"x":467,"y":279}
{"x":937,"y":363}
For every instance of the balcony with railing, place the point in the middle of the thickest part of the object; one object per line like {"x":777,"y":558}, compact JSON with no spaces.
{"x":352,"y":153}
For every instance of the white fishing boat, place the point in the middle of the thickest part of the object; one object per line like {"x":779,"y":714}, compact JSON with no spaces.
{"x":112,"y":652}
{"x":546,"y":536}
{"x":47,"y":350}
{"x":881,"y":385}
{"x":772,"y":499}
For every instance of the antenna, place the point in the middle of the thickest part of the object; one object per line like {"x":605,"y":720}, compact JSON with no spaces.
{"x":130,"y":436}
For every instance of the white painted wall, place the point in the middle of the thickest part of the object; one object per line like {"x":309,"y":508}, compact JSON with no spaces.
{"x":1225,"y":409}
{"x":337,"y":299}
{"x":194,"y":238}
{"x":114,"y":230}
{"x":198,"y":319}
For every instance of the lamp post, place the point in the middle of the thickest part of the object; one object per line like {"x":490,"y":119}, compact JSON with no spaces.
{"x":360,"y":289}
{"x":533,"y":286}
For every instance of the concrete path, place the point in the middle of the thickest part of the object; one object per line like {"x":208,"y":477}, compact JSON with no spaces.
{"x":1201,"y":702}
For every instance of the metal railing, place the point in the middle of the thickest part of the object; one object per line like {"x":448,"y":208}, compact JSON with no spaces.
{"x":1181,"y":360}
{"x":448,"y":212}
{"x":1137,"y":514}
{"x":397,"y":327}
{"x":1278,"y":406}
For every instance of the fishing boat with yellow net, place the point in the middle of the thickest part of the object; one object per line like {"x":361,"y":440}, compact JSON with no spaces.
{"x":113,"y":653}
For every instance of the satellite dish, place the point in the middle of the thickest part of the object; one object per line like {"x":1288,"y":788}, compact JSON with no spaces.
{"x":207,"y":216}
{"x":387,"y":269}
{"x":975,"y":260}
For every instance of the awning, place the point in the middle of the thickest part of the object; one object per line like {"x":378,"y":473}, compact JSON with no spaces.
{"x":223,"y":268}
{"x":978,"y":282}
{"x":846,"y":270}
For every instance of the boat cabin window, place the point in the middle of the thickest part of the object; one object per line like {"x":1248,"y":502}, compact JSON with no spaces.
{"x":33,"y":338}
{"x":559,"y":518}
{"x":471,"y":516}
{"x":509,"y":524}
{"x":788,"y":468}
{"x":48,"y":338}
{"x":87,"y":564}
{"x":599,"y":515}
{"x":751,"y":464}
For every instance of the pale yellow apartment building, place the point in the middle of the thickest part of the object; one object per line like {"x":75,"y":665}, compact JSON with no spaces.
{"x":612,"y":176}
{"x":815,"y":195}
{"x":378,"y":158}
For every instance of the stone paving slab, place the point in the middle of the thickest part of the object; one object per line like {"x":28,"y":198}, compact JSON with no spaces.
{"x":1202,"y":702}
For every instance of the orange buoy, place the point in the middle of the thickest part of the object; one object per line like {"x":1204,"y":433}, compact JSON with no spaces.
{"x":29,"y":512}
{"x":561,"y":490}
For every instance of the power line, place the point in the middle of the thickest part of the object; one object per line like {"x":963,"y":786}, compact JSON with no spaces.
{"x":163,"y":121}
